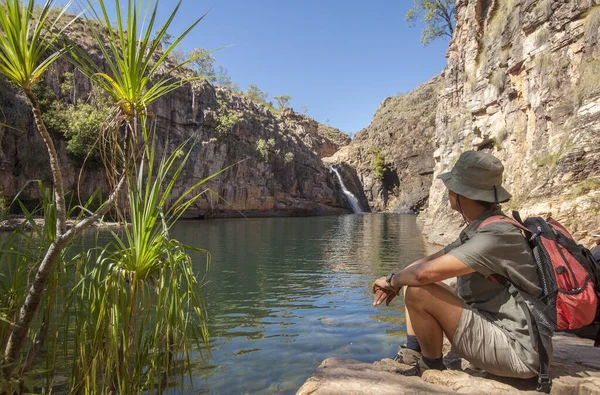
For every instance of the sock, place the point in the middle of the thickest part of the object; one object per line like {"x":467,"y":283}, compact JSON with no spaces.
{"x":434,"y":363}
{"x":412,"y":343}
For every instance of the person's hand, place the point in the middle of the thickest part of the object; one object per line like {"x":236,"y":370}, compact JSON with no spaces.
{"x":383,"y":291}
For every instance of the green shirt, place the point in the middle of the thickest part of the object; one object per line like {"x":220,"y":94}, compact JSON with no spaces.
{"x":498,"y":248}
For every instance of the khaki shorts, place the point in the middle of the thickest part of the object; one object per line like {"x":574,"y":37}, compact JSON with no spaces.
{"x":487,"y":347}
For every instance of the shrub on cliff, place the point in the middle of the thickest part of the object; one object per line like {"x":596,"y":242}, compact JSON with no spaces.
{"x":255,"y":94}
{"x":379,"y":166}
{"x":226,"y":119}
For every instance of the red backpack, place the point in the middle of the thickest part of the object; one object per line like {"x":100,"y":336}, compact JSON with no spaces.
{"x":570,"y":279}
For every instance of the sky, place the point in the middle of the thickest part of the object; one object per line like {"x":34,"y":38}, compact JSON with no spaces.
{"x":341,"y":59}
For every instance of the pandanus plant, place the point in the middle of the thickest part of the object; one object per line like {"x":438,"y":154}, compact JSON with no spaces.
{"x":138,"y":74}
{"x":141,"y":302}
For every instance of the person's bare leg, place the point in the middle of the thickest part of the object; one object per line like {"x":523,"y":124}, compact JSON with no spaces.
{"x":433,"y":311}
{"x":409,"y":329}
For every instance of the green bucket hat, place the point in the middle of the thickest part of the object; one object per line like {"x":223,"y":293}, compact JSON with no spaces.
{"x":477,"y":175}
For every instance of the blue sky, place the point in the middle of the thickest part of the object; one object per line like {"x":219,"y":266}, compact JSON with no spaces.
{"x":339,"y":58}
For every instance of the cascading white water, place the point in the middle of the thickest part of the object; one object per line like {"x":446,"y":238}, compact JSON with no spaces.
{"x":351,"y":198}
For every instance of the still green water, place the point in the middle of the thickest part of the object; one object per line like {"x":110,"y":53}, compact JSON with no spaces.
{"x":286,"y":293}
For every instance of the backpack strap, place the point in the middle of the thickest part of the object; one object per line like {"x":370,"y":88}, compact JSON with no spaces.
{"x":558,"y":226}
{"x":502,"y":218}
{"x":544,"y":381}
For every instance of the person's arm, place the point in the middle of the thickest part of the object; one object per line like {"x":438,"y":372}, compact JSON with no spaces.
{"x":428,"y":258}
{"x":418,"y":274}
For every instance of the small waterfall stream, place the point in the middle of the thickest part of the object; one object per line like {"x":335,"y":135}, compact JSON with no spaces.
{"x":351,"y":198}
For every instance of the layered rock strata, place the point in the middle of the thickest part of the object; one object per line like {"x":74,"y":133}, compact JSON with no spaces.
{"x":275,"y":157}
{"x":523,"y":82}
{"x":393,"y":156}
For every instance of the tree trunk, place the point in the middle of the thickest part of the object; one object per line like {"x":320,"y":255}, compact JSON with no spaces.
{"x":29,"y":308}
{"x":59,"y":189}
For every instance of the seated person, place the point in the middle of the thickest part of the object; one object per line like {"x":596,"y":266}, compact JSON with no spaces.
{"x":482,"y":320}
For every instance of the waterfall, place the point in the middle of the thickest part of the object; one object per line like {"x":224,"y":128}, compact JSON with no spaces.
{"x":349,"y":196}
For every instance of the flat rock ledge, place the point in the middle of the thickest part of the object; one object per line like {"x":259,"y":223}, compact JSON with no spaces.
{"x":575,"y":370}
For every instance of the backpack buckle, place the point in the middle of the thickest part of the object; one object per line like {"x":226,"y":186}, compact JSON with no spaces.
{"x":544,"y":383}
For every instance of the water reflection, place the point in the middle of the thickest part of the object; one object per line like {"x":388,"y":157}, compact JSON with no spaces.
{"x":283,"y":294}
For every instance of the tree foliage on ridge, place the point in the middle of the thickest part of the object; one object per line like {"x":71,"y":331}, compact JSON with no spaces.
{"x":438,"y":18}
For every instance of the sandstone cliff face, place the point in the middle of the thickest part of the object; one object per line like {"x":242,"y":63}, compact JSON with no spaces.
{"x":399,"y":145}
{"x":523,"y":82}
{"x":278,"y":172}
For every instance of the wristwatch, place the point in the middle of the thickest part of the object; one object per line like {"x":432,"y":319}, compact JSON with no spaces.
{"x":388,"y":280}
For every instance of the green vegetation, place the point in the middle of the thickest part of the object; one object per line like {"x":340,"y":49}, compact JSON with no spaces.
{"x":504,"y":55}
{"x":79,"y":123}
{"x":3,"y":207}
{"x":379,"y":166}
{"x":83,"y":127}
{"x":66,"y":88}
{"x":592,"y":24}
{"x":502,"y":17}
{"x":550,"y":159}
{"x":467,"y":142}
{"x":516,"y":201}
{"x":271,"y":107}
{"x":544,"y":8}
{"x":334,"y":135}
{"x":138,"y":308}
{"x":498,"y":78}
{"x":588,"y":85}
{"x":263,"y":147}
{"x":541,"y":36}
{"x":455,"y":127}
{"x":226,"y":119}
{"x":144,"y":283}
{"x":289,"y":157}
{"x":283,"y":100}
{"x":224,"y":79}
{"x":501,"y":137}
{"x":545,"y":69}
{"x":203,"y":63}
{"x":438,"y":18}
{"x":255,"y":94}
{"x":585,"y":187}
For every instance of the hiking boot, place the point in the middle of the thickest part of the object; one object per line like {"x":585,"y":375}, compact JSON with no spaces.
{"x":407,"y":356}
{"x":418,"y":369}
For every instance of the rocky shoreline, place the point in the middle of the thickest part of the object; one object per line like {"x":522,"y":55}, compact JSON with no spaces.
{"x":575,"y":370}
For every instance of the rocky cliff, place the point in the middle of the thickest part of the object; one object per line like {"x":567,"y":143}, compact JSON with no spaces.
{"x":523,"y":82}
{"x":278,"y":154}
{"x":393,"y":156}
